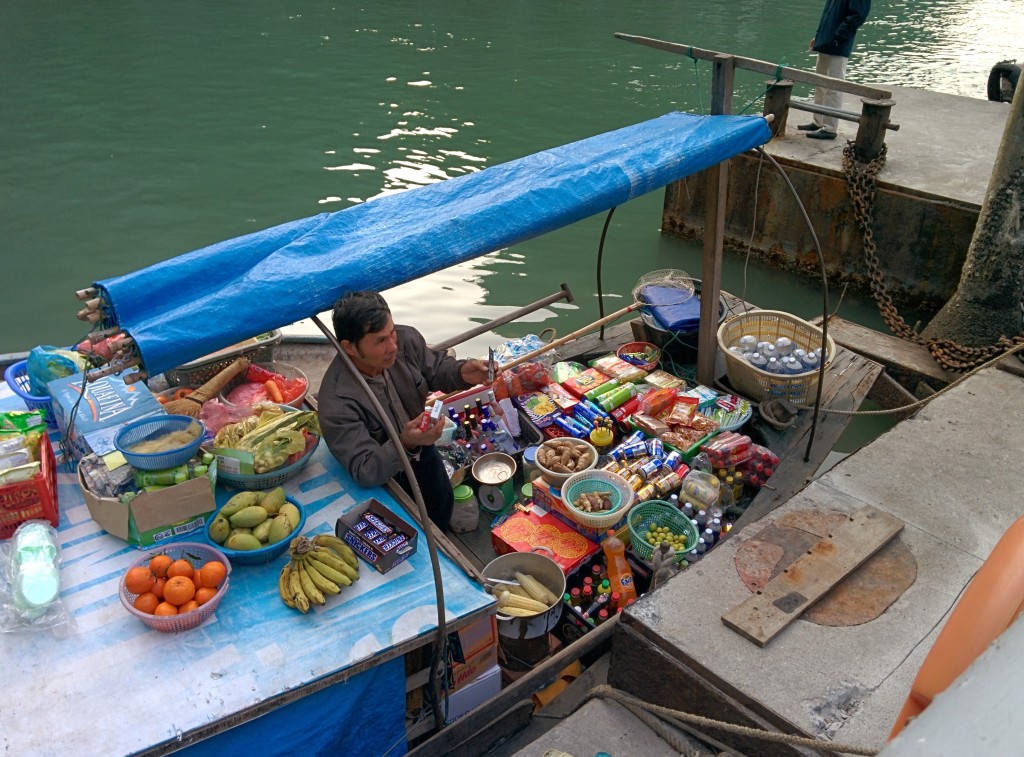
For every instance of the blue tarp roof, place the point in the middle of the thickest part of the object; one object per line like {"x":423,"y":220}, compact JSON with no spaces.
{"x":304,"y":266}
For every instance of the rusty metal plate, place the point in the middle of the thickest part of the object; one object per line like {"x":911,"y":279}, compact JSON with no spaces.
{"x":862,"y":596}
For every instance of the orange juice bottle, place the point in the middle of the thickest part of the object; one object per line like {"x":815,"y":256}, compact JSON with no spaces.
{"x":619,"y":574}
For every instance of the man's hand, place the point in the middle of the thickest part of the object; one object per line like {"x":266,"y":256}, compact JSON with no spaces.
{"x":474,"y":372}
{"x":411,"y":436}
{"x":811,"y":46}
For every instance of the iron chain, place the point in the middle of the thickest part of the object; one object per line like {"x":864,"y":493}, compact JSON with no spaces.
{"x":861,"y":180}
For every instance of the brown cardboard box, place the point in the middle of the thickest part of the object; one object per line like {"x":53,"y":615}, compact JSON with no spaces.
{"x":153,"y":517}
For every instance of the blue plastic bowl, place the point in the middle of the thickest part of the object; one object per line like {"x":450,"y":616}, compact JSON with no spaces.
{"x":145,"y":429}
{"x":258,"y":556}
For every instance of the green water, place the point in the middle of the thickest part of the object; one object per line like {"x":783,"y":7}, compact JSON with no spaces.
{"x":133,"y":132}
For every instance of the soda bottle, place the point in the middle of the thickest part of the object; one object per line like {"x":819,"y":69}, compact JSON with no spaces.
{"x":619,"y":574}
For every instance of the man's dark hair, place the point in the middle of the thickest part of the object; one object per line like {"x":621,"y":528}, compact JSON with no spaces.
{"x":359,"y":313}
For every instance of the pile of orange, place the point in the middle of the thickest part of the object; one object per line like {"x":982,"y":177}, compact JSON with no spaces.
{"x":172,"y":587}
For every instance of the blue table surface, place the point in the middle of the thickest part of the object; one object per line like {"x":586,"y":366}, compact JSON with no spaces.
{"x":140,"y":688}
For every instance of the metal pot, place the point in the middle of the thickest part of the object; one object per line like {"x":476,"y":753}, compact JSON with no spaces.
{"x":545,"y":570}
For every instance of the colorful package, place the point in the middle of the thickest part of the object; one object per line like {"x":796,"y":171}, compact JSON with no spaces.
{"x":585,"y":381}
{"x":665,"y":380}
{"x":619,"y":369}
{"x":539,"y":408}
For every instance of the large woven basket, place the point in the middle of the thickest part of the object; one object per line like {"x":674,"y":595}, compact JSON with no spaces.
{"x":769,"y":325}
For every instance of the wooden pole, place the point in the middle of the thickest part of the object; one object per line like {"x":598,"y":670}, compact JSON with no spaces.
{"x":776,"y":104}
{"x":874,"y":117}
{"x":714,"y":229}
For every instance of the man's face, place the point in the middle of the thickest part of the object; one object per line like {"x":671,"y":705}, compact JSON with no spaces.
{"x":375,"y":351}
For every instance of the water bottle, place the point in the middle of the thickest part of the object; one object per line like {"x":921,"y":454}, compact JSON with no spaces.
{"x":747,"y":343}
{"x":758,"y":360}
{"x":793,"y":366}
{"x":784,"y":346}
{"x":774,"y":366}
{"x":798,"y":354}
{"x":34,"y":568}
{"x":811,"y":361}
{"x":769,"y":351}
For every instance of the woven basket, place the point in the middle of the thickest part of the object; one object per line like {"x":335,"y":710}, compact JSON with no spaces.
{"x":197,"y":554}
{"x":658,"y":513}
{"x":636,"y":349}
{"x":267,"y":480}
{"x":205,"y":368}
{"x":769,"y":325}
{"x":599,"y":482}
{"x":144,"y":429}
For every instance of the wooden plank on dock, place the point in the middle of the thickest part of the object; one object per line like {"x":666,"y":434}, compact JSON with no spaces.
{"x":847,"y":383}
{"x":810,"y":577}
{"x":903,"y":358}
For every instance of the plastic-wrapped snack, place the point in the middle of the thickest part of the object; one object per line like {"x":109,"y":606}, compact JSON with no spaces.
{"x":658,"y":402}
{"x":706,"y":396}
{"x":566,"y":369}
{"x":727,"y":449}
{"x":619,"y":369}
{"x":665,"y":380}
{"x":649,"y":425}
{"x":703,"y":424}
{"x":525,"y":378}
{"x":539,"y":408}
{"x":682,"y":438}
{"x":682,"y":412}
{"x":561,"y":397}
{"x":515,"y":348}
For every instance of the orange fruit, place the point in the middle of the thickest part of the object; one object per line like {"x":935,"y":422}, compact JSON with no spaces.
{"x":212,"y":573}
{"x":147,"y":602}
{"x":139,"y":580}
{"x":179,"y":590}
{"x":159,"y":565}
{"x":158,"y":587}
{"x":180,"y":567}
{"x":188,"y":607}
{"x":165,"y":608}
{"x":205,"y":594}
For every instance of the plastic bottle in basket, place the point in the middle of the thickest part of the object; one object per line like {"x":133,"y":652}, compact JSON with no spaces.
{"x":811,"y":361}
{"x":619,"y":574}
{"x":757,"y":360}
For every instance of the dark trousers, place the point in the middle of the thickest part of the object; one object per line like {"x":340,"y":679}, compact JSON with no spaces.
{"x":434,"y":485}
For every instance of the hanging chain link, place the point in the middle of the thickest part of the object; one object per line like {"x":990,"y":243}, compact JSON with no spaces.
{"x":861,"y":181}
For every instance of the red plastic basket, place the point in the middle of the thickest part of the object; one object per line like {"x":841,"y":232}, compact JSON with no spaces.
{"x":197,"y":554}
{"x":35,"y":499}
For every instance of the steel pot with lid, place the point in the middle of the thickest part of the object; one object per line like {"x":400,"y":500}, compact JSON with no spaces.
{"x":545,"y":570}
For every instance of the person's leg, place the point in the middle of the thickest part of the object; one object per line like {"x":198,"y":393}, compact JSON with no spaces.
{"x":835,"y":67}
{"x":435,"y":486}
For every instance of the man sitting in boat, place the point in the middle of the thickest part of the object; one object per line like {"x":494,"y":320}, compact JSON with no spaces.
{"x":401,"y":371}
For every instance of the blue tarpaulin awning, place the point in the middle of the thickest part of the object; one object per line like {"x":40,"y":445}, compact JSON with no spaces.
{"x":304,"y":266}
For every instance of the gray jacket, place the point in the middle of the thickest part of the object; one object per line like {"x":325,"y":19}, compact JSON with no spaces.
{"x":352,"y":430}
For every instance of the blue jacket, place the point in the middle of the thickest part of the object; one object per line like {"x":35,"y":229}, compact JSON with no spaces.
{"x":839,"y":23}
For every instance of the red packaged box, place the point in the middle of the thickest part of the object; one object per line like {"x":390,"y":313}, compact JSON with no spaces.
{"x":585,"y":381}
{"x":35,"y":499}
{"x":525,"y":531}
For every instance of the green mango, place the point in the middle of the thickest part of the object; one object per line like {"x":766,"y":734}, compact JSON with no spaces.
{"x":220,"y":529}
{"x":243,"y":542}
{"x":262,"y":531}
{"x":290,"y":510}
{"x":250,"y":517}
{"x":280,"y":529}
{"x":272,"y":500}
{"x":238,"y":503}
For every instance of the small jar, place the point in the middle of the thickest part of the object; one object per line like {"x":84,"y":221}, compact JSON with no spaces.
{"x":602,"y":438}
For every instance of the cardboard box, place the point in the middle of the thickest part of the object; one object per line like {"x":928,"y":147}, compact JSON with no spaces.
{"x":486,"y":686}
{"x":464,"y":673}
{"x":34,"y":499}
{"x":154,"y":517}
{"x":106,"y":404}
{"x":360,"y":528}
{"x":526,"y":530}
{"x":474,"y":650}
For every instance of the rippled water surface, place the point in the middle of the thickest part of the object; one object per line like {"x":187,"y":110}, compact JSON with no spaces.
{"x":134,"y":132}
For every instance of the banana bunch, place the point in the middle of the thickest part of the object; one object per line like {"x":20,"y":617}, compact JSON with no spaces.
{"x":319,"y":567}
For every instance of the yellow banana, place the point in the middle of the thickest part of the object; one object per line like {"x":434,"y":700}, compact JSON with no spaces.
{"x":322,"y":582}
{"x":338,"y":545}
{"x":295,"y":585}
{"x":313,"y":594}
{"x":328,"y":572}
{"x":283,"y":588}
{"x":329,"y":557}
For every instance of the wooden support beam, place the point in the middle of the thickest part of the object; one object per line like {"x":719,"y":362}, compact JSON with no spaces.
{"x":717,"y":178}
{"x":776,"y":103}
{"x":874,"y":118}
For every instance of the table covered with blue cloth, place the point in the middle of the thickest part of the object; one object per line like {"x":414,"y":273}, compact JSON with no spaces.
{"x":256,"y":678}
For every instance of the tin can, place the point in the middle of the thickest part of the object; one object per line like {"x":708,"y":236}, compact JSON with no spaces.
{"x":633,"y":450}
{"x":646,"y":492}
{"x":650,"y":468}
{"x":635,"y":481}
{"x":636,"y":436}
{"x":673,"y":458}
{"x":612,"y":466}
{"x":655,"y":447}
{"x":667,"y":483}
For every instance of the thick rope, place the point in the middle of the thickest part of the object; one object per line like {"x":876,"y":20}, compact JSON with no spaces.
{"x":609,"y":692}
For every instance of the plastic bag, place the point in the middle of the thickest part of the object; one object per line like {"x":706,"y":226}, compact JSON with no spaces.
{"x":513,"y":349}
{"x":30,"y":582}
{"x":46,"y":364}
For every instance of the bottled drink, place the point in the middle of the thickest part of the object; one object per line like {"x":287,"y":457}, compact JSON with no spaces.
{"x":602,"y":616}
{"x":619,"y":573}
{"x":35,"y":571}
{"x":757,"y":360}
{"x":784,"y":345}
{"x":574,"y":597}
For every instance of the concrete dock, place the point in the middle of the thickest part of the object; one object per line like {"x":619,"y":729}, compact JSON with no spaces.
{"x":951,"y":474}
{"x":929,"y":195}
